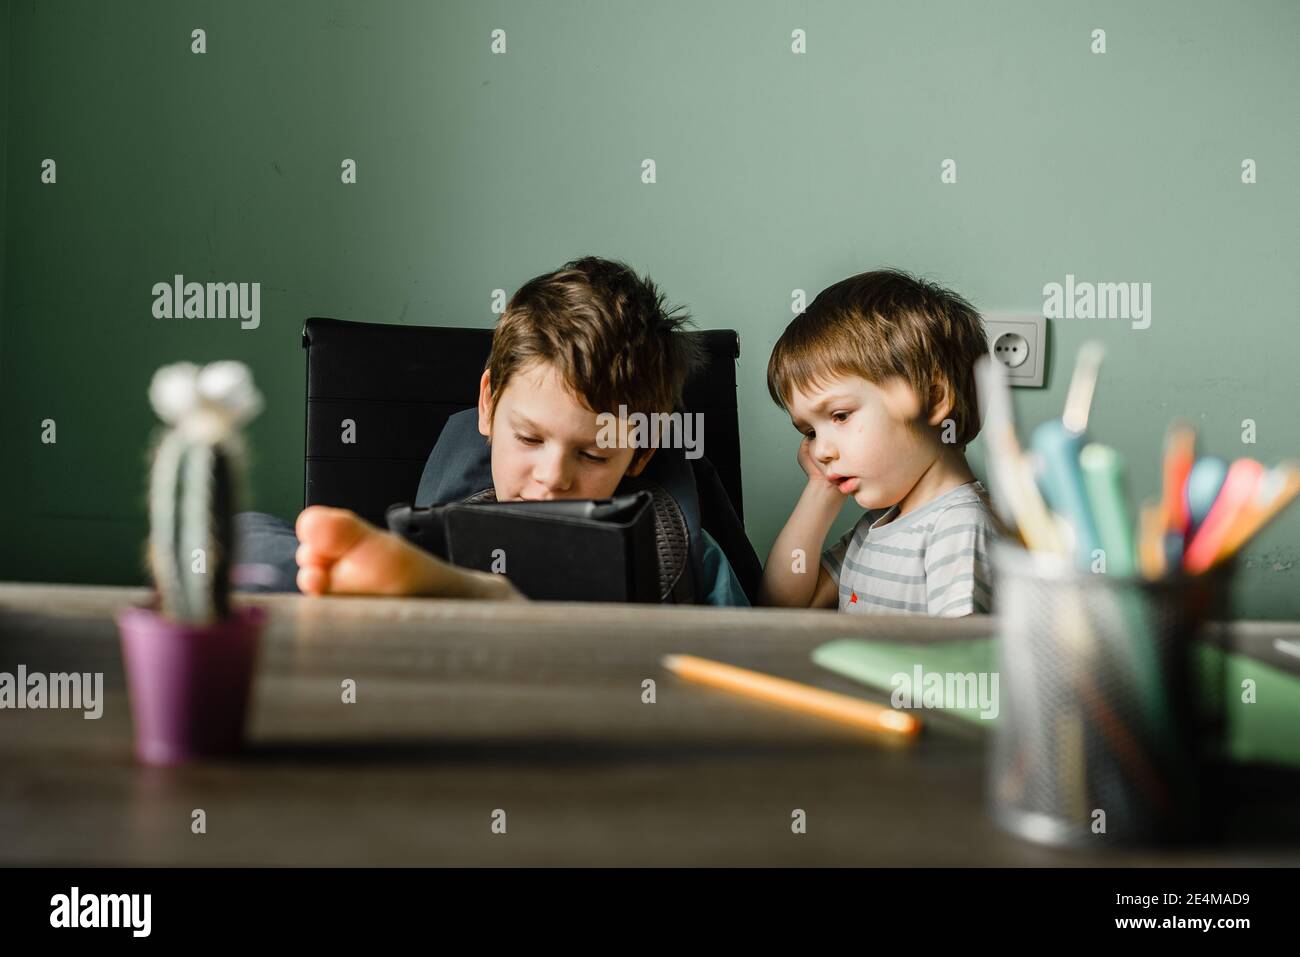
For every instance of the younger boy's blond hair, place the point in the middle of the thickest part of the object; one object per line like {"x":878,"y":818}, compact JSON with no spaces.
{"x":880,"y":325}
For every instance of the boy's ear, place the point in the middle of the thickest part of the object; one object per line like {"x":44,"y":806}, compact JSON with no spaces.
{"x":485,"y":405}
{"x":941,"y":403}
{"x":639,"y":461}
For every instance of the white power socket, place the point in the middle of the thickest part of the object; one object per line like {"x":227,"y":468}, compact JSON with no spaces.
{"x":1019,"y":342}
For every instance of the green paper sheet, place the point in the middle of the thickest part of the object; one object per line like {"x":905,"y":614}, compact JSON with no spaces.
{"x":1267,"y":731}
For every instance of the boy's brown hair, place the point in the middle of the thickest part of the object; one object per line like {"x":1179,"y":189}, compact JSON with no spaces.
{"x":883,"y":324}
{"x":608,"y":332}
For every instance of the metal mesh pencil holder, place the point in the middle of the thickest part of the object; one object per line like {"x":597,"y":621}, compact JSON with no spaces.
{"x":1109,"y":717}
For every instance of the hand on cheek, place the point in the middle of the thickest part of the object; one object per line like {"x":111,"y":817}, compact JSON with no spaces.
{"x":813,"y":469}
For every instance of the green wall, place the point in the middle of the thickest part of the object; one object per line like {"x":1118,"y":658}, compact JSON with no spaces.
{"x":4,"y":180}
{"x":775,"y":171}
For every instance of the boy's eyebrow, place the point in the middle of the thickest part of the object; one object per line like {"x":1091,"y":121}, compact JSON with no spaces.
{"x":826,"y":400}
{"x":519,"y":420}
{"x":817,"y":406}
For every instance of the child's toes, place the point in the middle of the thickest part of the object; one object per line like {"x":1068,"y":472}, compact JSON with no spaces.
{"x":330,"y":532}
{"x":306,"y":556}
{"x":313,"y":580}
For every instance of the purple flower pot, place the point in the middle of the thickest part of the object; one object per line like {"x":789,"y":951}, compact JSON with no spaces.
{"x":189,"y":684}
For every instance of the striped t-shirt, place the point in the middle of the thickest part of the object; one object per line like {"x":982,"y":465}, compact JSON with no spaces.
{"x":932,"y":561}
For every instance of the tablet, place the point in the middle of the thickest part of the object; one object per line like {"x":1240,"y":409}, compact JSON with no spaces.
{"x":566,"y":550}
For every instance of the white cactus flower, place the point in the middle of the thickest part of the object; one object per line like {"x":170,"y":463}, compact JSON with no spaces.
{"x":172,"y":392}
{"x":211,"y":402}
{"x":229,"y":387}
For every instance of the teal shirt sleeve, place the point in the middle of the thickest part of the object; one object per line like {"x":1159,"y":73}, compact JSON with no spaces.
{"x":720,"y":585}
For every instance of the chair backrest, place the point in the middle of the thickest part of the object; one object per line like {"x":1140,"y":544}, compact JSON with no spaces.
{"x":378,"y":396}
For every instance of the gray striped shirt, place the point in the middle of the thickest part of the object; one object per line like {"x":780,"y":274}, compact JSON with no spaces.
{"x":932,"y":561}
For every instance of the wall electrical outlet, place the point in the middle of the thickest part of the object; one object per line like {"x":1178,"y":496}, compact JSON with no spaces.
{"x":1019,"y":342}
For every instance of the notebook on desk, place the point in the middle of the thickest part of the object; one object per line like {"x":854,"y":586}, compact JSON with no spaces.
{"x":1264,"y":731}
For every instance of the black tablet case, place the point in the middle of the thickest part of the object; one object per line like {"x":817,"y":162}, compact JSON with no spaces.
{"x":571,"y":550}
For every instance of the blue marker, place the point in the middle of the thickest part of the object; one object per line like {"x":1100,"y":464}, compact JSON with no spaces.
{"x":1203,"y":484}
{"x":1061,"y":481}
{"x":1058,"y":442}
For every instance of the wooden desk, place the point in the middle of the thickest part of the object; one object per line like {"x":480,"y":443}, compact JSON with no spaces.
{"x":463,"y":708}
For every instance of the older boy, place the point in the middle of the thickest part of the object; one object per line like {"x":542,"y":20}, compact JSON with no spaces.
{"x":878,"y":376}
{"x":589,"y":337}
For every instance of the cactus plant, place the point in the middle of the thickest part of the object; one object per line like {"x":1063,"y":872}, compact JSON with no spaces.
{"x":194,"y":483}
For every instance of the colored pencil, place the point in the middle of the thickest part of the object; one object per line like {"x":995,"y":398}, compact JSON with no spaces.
{"x":793,"y":695}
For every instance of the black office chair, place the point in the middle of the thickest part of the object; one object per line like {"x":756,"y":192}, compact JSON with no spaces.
{"x":398,"y":385}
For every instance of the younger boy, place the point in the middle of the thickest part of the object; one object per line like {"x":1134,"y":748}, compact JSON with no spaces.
{"x":878,"y":376}
{"x":590,"y":337}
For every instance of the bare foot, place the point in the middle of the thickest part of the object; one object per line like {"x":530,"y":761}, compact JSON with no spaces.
{"x":340,"y":553}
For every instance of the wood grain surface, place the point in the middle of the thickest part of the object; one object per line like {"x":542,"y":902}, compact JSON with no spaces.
{"x":464,"y":708}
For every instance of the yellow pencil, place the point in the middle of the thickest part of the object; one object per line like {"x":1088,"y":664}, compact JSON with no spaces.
{"x":792,"y":694}
{"x":1037,"y":523}
{"x":1151,"y":540}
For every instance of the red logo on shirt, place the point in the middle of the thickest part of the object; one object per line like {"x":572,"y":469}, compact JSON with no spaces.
{"x":853,"y":598}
